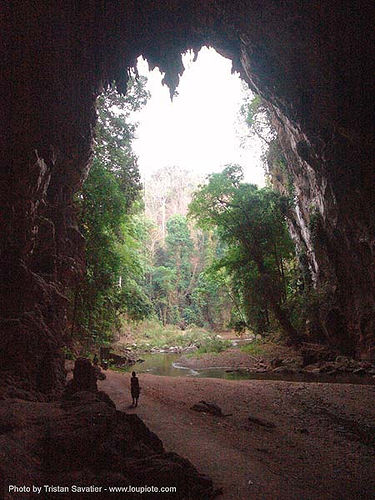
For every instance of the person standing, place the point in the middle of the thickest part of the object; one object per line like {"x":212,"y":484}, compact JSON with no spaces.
{"x":134,"y":389}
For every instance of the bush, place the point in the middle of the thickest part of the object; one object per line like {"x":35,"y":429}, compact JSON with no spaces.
{"x":213,"y":343}
{"x":152,"y":333}
{"x":255,"y":348}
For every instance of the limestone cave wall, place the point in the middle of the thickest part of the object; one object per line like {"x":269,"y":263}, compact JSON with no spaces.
{"x":313,"y":61}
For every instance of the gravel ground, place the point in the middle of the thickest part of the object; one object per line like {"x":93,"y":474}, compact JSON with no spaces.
{"x":322,"y":444}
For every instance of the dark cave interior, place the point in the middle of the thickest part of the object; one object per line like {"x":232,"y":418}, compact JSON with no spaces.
{"x":312,"y":61}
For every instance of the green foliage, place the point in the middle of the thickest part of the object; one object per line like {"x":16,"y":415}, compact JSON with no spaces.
{"x":213,"y":344}
{"x":114,"y":135}
{"x":171,"y":279}
{"x":255,"y":348}
{"x":251,"y":222}
{"x":153,"y":334}
{"x":178,"y":237}
{"x":299,"y":295}
{"x":238,"y":268}
{"x":211,"y":298}
{"x":255,"y":112}
{"x":134,"y":301}
{"x":181,"y":287}
{"x":107,"y":207}
{"x":276,"y":168}
{"x":254,"y":108}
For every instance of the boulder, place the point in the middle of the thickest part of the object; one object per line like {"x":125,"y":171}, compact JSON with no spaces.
{"x":84,"y":377}
{"x":314,"y":353}
{"x":83,"y":386}
{"x":279,"y":369}
{"x":262,"y":423}
{"x":190,"y":348}
{"x":99,"y":374}
{"x":276,"y":362}
{"x":205,"y":407}
{"x":121,"y":360}
{"x":87,"y":442}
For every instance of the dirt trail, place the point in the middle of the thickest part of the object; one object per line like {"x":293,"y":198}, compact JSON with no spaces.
{"x":323,"y":445}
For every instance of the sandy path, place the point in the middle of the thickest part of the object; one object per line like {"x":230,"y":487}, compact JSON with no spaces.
{"x":318,"y":449}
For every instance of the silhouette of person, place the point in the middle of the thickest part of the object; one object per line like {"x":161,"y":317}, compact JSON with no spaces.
{"x":95,"y":360}
{"x":134,"y":389}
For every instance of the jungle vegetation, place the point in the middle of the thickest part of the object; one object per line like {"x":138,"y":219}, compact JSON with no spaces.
{"x":185,"y":251}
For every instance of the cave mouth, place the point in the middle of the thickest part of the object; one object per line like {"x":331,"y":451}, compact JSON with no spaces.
{"x":314,"y":64}
{"x":181,"y":142}
{"x":201,"y":128}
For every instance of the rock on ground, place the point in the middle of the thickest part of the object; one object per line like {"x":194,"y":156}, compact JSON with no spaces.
{"x":84,"y":440}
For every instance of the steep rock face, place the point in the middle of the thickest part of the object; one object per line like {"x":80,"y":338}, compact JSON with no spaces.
{"x":46,"y":146}
{"x":312,"y":60}
{"x":332,"y":232}
{"x":314,"y":72}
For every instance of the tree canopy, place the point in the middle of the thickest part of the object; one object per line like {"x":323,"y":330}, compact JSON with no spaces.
{"x":226,"y":261}
{"x":107,"y":207}
{"x":251,"y":221}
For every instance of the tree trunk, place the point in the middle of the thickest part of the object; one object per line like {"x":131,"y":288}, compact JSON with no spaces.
{"x":293,"y":336}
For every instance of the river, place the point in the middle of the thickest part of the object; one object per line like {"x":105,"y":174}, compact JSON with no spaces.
{"x":167,"y":364}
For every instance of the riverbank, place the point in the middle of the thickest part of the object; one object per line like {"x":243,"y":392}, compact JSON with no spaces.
{"x":274,"y":361}
{"x":321,"y":444}
{"x":254,"y":357}
{"x":260,"y":361}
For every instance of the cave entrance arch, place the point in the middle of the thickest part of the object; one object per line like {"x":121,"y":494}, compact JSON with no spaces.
{"x":313,"y":61}
{"x":202,"y":128}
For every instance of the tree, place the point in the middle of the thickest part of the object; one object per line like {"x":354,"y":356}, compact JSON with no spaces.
{"x":162,"y":280}
{"x":257,"y":115}
{"x":251,"y":222}
{"x":172,"y":277}
{"x":168,"y":192}
{"x":179,"y":248}
{"x":107,"y":207}
{"x":255,"y":112}
{"x":115,"y":133}
{"x":211,"y":299}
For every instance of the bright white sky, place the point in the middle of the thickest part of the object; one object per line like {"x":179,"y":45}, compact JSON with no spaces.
{"x":199,"y":130}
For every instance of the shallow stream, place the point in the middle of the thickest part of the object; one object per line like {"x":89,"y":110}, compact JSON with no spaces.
{"x":167,"y":364}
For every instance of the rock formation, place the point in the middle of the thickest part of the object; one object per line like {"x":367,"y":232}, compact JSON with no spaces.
{"x":313,"y":61}
{"x":86,"y":442}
